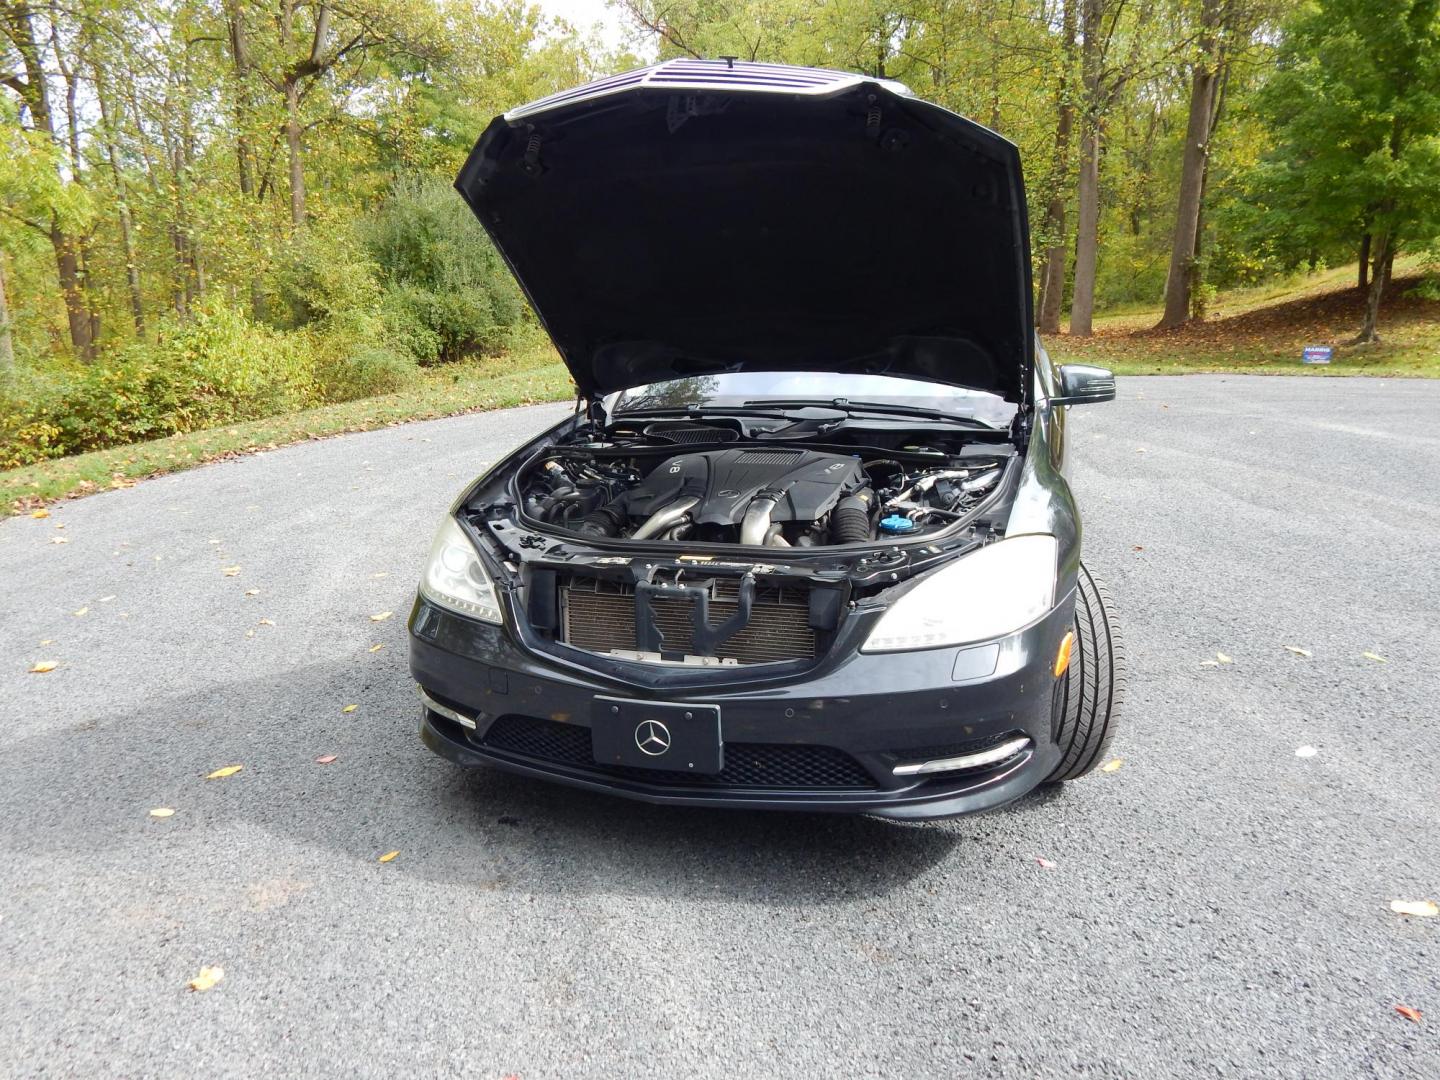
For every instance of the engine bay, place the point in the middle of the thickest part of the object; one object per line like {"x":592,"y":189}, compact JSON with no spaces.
{"x":727,"y":489}
{"x":825,"y":510}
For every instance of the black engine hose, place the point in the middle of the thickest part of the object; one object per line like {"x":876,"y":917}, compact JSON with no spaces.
{"x":602,"y":522}
{"x":850,"y":523}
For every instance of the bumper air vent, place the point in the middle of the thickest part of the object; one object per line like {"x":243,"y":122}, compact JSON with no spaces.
{"x":772,"y":766}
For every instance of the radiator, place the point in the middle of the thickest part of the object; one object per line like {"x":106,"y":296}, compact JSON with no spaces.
{"x":599,"y":616}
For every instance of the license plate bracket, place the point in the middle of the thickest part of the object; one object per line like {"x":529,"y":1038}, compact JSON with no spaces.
{"x":654,"y":735}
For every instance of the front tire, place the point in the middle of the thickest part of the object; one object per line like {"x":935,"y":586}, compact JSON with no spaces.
{"x":1089,"y":699}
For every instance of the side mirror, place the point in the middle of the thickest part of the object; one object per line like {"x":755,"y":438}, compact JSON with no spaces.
{"x":1081,"y":384}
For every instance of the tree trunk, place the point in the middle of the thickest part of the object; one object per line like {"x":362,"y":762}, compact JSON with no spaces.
{"x":1363,"y":274}
{"x":1087,"y":233}
{"x":70,"y":75}
{"x":77,"y":309}
{"x":1087,"y":224}
{"x":1198,"y":306}
{"x":1052,"y":278}
{"x":244,"y":156}
{"x":292,"y":142}
{"x":1197,"y":144}
{"x":122,"y":199}
{"x":1384,"y":258}
{"x":7,"y":343}
{"x":1052,"y":281}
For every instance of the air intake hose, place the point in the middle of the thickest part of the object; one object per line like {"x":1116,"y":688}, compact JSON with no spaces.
{"x":850,"y":523}
{"x":602,"y":522}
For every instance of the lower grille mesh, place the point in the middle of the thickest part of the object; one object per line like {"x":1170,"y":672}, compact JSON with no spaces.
{"x":599,"y":615}
{"x":747,"y":765}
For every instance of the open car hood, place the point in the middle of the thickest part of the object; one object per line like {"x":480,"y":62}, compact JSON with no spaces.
{"x":704,"y":216}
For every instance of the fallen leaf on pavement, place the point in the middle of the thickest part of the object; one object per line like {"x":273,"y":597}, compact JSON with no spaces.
{"x":41,"y":513}
{"x":43,"y":666}
{"x":1305,"y":751}
{"x":389,"y":856}
{"x":1045,"y":864}
{"x":162,"y":811}
{"x":1413,"y":1015}
{"x":381,"y":617}
{"x":82,"y":611}
{"x":230,"y":571}
{"x":325,"y":760}
{"x":1297,"y":650}
{"x":252,"y":592}
{"x":267,"y":622}
{"x":1425,"y":909}
{"x":1373,"y":656}
{"x":207,"y":978}
{"x":1222,"y":658}
{"x":349,"y":708}
{"x":1113,"y":765}
{"x":1137,"y":547}
{"x":228,"y":770}
{"x":376,"y":648}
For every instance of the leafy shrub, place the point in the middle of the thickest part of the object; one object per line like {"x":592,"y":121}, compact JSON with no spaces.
{"x":345,"y":374}
{"x":217,"y":368}
{"x":448,"y":294}
{"x":324,"y":274}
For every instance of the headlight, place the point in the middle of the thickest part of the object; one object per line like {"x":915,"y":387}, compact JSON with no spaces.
{"x":454,"y":577}
{"x":988,"y":594}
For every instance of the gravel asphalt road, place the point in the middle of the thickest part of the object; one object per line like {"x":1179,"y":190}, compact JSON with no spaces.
{"x":1218,"y":905}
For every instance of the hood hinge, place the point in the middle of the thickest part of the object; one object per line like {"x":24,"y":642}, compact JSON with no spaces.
{"x":1020,"y":426}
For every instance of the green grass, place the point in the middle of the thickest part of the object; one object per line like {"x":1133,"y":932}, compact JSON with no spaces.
{"x":528,"y":374}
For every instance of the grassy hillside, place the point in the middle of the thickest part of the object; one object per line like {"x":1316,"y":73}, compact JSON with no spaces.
{"x":1262,"y":331}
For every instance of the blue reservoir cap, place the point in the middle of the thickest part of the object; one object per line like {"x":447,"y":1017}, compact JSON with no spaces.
{"x":896,"y":523}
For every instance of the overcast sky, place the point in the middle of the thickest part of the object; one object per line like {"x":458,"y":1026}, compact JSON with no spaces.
{"x":587,"y":14}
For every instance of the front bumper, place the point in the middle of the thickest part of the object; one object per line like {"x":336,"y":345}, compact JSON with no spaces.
{"x":829,"y":739}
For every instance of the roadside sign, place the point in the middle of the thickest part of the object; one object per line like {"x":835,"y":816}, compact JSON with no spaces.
{"x":1316,"y":354}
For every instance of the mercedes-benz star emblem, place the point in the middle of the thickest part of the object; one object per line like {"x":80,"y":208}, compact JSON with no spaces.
{"x":652,"y":737}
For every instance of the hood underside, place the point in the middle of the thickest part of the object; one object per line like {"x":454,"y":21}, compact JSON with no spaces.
{"x":726,"y":219}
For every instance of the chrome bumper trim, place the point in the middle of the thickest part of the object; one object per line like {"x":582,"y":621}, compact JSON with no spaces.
{"x":444,"y":710}
{"x":993,"y":756}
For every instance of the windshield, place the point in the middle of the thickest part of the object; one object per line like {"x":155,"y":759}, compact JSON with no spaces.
{"x":739,"y":388}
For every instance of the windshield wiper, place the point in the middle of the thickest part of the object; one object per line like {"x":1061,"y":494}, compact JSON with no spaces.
{"x":881,"y":408}
{"x":747,"y":409}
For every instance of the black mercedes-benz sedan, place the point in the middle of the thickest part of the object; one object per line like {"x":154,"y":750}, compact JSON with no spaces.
{"x":806,"y":542}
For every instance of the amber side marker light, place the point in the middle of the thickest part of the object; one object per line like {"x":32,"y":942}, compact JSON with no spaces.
{"x":1062,"y":658}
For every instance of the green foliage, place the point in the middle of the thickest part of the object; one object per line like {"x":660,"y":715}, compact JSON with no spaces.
{"x":1133,"y":271}
{"x":214,"y":369}
{"x":324,"y":275}
{"x":1355,"y":107}
{"x":345,"y":373}
{"x":447,"y":292}
{"x":33,"y":191}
